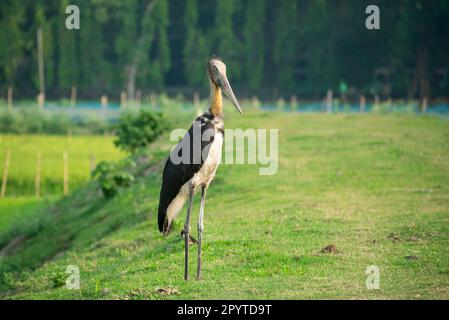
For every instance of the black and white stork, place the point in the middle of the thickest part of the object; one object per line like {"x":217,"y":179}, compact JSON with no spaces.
{"x":182,"y":179}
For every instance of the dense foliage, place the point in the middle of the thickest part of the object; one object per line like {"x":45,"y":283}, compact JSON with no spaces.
{"x":279,"y":46}
{"x":34,"y":121}
{"x":113,"y":176}
{"x":137,"y":130}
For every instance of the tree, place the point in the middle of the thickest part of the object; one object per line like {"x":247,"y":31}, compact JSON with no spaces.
{"x":291,"y":46}
{"x":142,"y":48}
{"x":125,"y":41}
{"x":46,"y":24}
{"x":324,"y":38}
{"x":285,"y":53}
{"x":11,"y":38}
{"x":91,"y":53}
{"x":160,"y":59}
{"x":68,"y":58}
{"x":136,"y":131}
{"x":253,"y":43}
{"x":223,"y":35}
{"x":421,"y":25}
{"x":195,"y":49}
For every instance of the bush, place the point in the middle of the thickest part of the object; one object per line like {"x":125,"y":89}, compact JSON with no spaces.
{"x":34,"y":121}
{"x":136,"y":131}
{"x":57,"y":123}
{"x":10,"y":122}
{"x":93,"y":125}
{"x":113,"y":176}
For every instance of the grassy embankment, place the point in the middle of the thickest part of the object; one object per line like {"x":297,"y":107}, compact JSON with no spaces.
{"x":377,"y":187}
{"x":20,"y":202}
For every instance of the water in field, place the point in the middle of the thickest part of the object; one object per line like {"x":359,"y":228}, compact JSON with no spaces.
{"x":437,"y":109}
{"x":113,"y":109}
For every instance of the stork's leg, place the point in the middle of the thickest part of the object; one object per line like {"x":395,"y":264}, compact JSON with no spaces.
{"x":200,"y":230}
{"x":186,"y":235}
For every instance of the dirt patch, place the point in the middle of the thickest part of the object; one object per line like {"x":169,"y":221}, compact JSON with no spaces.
{"x":167,"y":291}
{"x":394,"y":238}
{"x":330,"y":248}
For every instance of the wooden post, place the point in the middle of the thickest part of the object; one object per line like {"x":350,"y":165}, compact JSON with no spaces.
{"x":293,"y":102}
{"x":123,"y":99}
{"x":10,"y":98}
{"x":153,"y":101}
{"x":424,"y":105}
{"x":92,"y":163}
{"x":66,"y":173}
{"x":73,"y":94}
{"x":280,"y":104}
{"x":104,"y":105}
{"x":40,"y":60}
{"x":38,"y":174}
{"x":376,"y":101}
{"x":196,"y":103}
{"x":138,"y":97}
{"x":362,"y":103}
{"x":329,"y":100}
{"x":255,"y":102}
{"x":104,"y":101}
{"x":41,"y":100}
{"x":390,"y":104}
{"x":196,"y":99}
{"x":69,"y":136}
{"x":5,"y":173}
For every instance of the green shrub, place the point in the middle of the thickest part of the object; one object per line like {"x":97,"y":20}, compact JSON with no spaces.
{"x":34,"y":121}
{"x":58,"y":279}
{"x":57,"y":124}
{"x":113,"y":176}
{"x":10,"y":122}
{"x":93,"y":125}
{"x":139,"y":130}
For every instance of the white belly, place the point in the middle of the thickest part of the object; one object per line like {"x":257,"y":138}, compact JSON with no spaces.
{"x":203,"y":177}
{"x":210,"y":165}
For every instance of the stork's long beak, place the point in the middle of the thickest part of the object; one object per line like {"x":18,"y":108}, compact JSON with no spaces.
{"x":227,"y":91}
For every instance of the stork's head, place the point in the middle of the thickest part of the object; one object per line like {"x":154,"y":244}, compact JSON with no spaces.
{"x":216,"y":70}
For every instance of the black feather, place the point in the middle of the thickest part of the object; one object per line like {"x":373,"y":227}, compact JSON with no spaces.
{"x":176,"y":175}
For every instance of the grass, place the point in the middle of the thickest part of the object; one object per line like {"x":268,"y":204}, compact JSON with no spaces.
{"x":375,"y":186}
{"x":15,"y":211}
{"x":24,"y":150}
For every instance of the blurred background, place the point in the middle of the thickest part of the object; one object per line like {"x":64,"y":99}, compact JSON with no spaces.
{"x":275,"y":48}
{"x":282,"y":56}
{"x":85,"y":120}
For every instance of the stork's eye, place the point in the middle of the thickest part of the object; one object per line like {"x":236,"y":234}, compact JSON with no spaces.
{"x":215,"y":68}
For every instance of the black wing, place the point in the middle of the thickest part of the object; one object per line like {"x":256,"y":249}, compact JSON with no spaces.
{"x":176,"y":175}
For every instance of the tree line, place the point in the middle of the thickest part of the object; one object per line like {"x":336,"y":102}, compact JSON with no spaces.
{"x":272,"y":47}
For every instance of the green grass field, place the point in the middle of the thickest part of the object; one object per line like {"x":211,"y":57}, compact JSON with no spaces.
{"x":16,"y":210}
{"x":377,"y":187}
{"x":24,"y":150}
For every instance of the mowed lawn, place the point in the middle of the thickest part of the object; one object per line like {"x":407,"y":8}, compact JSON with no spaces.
{"x":374,"y":186}
{"x":24,"y":150}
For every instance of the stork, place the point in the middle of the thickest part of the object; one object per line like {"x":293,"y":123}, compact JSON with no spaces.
{"x":181,"y":180}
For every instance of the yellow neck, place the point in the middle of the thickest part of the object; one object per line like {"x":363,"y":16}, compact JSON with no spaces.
{"x":216,"y":100}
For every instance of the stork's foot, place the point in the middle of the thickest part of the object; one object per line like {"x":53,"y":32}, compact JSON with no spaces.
{"x":192,"y":240}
